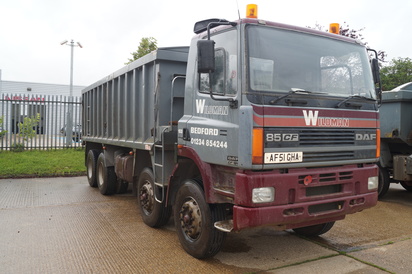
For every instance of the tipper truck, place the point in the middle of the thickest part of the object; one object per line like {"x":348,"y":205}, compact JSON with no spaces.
{"x":256,"y":123}
{"x":396,"y":138}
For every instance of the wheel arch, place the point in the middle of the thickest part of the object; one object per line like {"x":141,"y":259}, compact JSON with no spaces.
{"x":142,"y":159}
{"x":190,"y":166}
{"x":185,"y":169}
{"x":385,"y":159}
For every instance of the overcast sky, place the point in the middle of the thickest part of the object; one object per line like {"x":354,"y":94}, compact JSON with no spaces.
{"x":31,"y":30}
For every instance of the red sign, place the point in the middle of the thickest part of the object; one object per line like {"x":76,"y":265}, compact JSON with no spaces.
{"x":22,"y":98}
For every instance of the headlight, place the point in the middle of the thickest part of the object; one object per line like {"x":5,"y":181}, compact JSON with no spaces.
{"x":373,"y":182}
{"x":263,"y":195}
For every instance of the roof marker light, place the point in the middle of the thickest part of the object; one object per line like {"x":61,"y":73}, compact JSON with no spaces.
{"x":251,"y":11}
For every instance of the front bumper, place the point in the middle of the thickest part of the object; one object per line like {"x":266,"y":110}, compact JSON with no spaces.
{"x":299,"y":215}
{"x":332,"y":193}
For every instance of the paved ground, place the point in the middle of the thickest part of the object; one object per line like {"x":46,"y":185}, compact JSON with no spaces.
{"x":61,"y":225}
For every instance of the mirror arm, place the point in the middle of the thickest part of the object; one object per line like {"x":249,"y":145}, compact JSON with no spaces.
{"x":233,"y":102}
{"x":376,"y":76}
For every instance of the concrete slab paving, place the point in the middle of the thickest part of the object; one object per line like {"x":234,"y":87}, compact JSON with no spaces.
{"x":387,"y":221}
{"x":336,"y":265}
{"x":393,"y":257}
{"x":61,"y":225}
{"x":265,"y":248}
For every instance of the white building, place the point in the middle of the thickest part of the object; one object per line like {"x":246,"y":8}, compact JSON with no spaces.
{"x":27,"y":88}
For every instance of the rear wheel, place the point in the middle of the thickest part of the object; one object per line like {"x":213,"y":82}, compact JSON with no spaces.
{"x":194,"y":221}
{"x":106,"y":177}
{"x":314,"y":230}
{"x":91,"y":163}
{"x":154,"y":214}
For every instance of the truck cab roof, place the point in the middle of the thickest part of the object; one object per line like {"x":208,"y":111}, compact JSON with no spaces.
{"x":200,"y":27}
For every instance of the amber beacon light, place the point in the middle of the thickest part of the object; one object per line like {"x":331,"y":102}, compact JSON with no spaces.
{"x":251,"y":11}
{"x":334,"y":28}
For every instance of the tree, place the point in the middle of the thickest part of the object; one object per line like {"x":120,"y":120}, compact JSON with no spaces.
{"x":398,"y":72}
{"x":345,"y":30}
{"x":2,"y":132}
{"x":147,"y":45}
{"x":27,"y":128}
{"x":27,"y":131}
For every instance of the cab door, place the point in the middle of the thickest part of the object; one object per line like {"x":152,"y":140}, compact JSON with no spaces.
{"x":211,"y":127}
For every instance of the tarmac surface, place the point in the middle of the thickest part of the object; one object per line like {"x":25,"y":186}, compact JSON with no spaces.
{"x":61,"y":225}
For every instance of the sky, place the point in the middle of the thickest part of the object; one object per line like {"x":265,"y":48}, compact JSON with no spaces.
{"x":109,"y":31}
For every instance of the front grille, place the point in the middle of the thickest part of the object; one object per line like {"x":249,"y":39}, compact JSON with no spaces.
{"x":322,"y":183}
{"x":347,"y":175}
{"x":321,"y":156}
{"x":328,"y":177}
{"x":326,"y":137}
{"x":322,"y":145}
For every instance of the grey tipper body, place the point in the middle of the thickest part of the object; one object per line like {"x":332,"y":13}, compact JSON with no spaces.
{"x":139,"y":105}
{"x":396,"y":134}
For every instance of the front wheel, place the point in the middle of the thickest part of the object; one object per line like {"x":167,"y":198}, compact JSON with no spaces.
{"x":154,"y":214}
{"x":314,"y":230}
{"x":194,"y":221}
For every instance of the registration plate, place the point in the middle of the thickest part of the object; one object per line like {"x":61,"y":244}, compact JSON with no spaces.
{"x":283,"y":157}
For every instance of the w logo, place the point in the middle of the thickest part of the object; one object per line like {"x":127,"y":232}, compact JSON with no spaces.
{"x":311,"y":117}
{"x":200,"y":105}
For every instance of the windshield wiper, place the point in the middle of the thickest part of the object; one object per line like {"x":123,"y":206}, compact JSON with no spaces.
{"x":354,"y":97}
{"x":292,"y":91}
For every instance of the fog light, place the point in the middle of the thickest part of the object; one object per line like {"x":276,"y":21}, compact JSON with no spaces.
{"x":263,"y":195}
{"x":373,"y":182}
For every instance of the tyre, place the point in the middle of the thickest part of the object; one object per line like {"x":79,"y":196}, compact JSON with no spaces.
{"x":314,"y":230}
{"x":194,"y":221}
{"x":384,"y":182}
{"x":106,"y":177}
{"x":154,"y":214}
{"x":406,"y":186}
{"x":91,"y":163}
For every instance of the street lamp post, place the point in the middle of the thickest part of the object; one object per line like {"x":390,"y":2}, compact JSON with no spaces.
{"x":69,"y":124}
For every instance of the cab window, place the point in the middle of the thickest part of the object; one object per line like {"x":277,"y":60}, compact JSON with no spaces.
{"x":224,"y":78}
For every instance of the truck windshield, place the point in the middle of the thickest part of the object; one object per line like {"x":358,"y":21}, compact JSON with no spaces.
{"x":281,"y":61}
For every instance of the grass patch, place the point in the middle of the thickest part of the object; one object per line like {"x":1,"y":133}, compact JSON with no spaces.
{"x":42,"y":163}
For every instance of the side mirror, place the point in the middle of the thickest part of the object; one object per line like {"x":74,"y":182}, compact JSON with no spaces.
{"x":205,"y":56}
{"x":375,"y":71}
